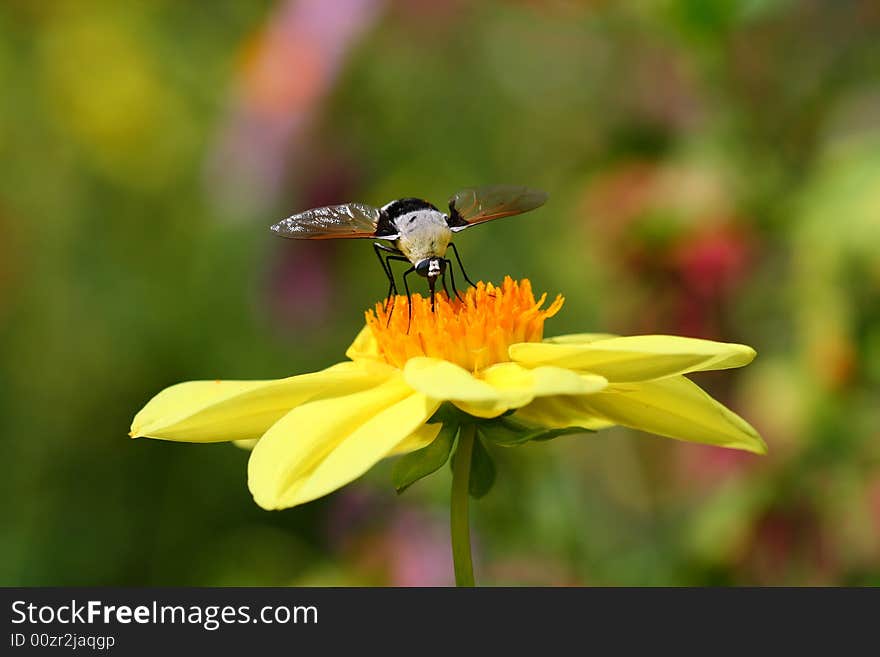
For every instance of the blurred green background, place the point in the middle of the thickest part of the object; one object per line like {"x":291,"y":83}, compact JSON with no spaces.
{"x":714,"y":171}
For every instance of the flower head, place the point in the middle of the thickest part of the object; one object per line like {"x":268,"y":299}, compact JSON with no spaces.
{"x":484,"y":354}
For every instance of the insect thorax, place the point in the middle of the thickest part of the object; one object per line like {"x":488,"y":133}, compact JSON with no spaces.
{"x":423,"y":233}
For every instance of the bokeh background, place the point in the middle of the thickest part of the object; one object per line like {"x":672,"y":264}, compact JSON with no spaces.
{"x":714,"y":171}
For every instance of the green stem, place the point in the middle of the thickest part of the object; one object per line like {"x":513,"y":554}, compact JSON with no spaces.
{"x":461,"y":533}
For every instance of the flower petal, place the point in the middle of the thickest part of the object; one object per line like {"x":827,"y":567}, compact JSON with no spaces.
{"x":214,"y":411}
{"x":676,"y":408}
{"x":496,"y":389}
{"x":364,"y":347}
{"x":635,"y":358}
{"x":421,"y":437}
{"x":322,"y":445}
{"x":561,"y":411}
{"x":521,"y":385}
{"x":440,"y":379}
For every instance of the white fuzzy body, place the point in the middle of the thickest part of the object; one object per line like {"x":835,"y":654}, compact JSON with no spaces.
{"x":423,"y":234}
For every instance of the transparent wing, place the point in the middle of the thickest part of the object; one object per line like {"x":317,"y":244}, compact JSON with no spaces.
{"x":479,"y":204}
{"x":335,"y":221}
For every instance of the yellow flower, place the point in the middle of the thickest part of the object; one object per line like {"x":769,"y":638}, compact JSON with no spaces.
{"x":485,"y":355}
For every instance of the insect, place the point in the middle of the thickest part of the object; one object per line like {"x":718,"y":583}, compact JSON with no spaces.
{"x":419,"y":233}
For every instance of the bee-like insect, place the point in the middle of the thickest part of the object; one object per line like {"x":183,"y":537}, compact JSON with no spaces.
{"x":420,"y":233}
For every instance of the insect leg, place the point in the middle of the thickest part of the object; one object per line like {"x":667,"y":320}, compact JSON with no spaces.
{"x":408,"y":297}
{"x":391,"y":299}
{"x":443,"y":280}
{"x":431,"y":283}
{"x":452,"y":281}
{"x":461,"y":266}
{"x":392,"y":288}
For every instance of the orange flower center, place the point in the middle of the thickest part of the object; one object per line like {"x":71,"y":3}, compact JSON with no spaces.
{"x":474,"y":332}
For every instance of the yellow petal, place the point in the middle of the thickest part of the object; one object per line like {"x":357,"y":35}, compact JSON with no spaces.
{"x":635,"y":358}
{"x":322,"y":445}
{"x":214,"y":411}
{"x":676,"y":408}
{"x":364,"y":347}
{"x":498,"y":388}
{"x":246,"y":443}
{"x":561,"y":411}
{"x":517,"y":385}
{"x":440,"y":379}
{"x":421,"y":437}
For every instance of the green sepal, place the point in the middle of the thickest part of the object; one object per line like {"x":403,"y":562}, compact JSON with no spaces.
{"x":550,"y":434}
{"x":508,"y":432}
{"x":449,"y":413}
{"x":482,"y":470}
{"x":503,"y":430}
{"x":411,"y":467}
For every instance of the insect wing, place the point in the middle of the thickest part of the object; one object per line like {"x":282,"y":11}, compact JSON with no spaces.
{"x":351,"y":220}
{"x":479,"y":204}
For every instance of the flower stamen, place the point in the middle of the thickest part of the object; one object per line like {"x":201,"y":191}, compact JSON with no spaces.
{"x":473,"y":331}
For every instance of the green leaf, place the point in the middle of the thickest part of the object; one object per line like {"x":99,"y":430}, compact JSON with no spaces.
{"x":411,"y":467}
{"x":482,"y":470}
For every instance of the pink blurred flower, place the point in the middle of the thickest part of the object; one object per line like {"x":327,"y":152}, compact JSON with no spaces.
{"x":704,"y":468}
{"x":395,"y":545}
{"x":299,"y":287}
{"x":288,"y":68}
{"x":418,"y":546}
{"x":300,"y":280}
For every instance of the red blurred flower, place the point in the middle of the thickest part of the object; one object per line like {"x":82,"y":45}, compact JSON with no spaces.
{"x":789,"y":546}
{"x":673,"y":235}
